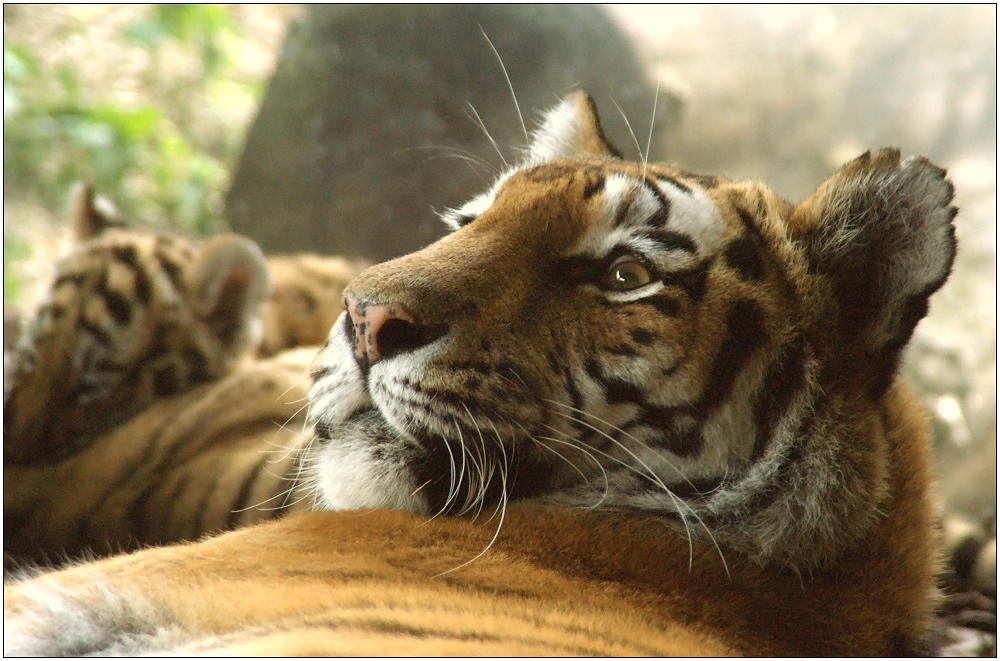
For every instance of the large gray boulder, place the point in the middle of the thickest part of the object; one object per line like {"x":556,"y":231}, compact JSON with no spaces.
{"x":368,"y":121}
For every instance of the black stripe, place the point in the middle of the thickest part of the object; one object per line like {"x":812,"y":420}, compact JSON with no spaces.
{"x":166,"y":381}
{"x":197,"y":527}
{"x":665,"y":304}
{"x":99,"y":333}
{"x":670,"y":240}
{"x":657,"y":193}
{"x":697,"y":488}
{"x":784,"y":379}
{"x":129,"y":472}
{"x":681,"y":428}
{"x":74,"y":278}
{"x":743,"y":256}
{"x":745,"y":333}
{"x":126,"y":255}
{"x":575,"y":399}
{"x":240,"y":503}
{"x":765,"y":497}
{"x":623,"y":350}
{"x":694,"y":282}
{"x":684,"y":188}
{"x":118,"y":305}
{"x":172,"y":269}
{"x":642,"y":336}
{"x":592,"y":186}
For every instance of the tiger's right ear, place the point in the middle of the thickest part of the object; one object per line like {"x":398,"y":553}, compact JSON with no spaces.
{"x":880,"y":232}
{"x":571,"y":129}
{"x":92,"y":216}
{"x":229,"y":283}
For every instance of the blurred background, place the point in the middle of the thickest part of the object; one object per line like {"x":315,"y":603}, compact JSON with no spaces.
{"x":342,"y":129}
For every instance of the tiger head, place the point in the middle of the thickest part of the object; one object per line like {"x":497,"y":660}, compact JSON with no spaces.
{"x":129,"y":317}
{"x":609,"y":334}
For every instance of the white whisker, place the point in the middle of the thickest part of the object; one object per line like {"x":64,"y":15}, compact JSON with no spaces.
{"x":520,"y":117}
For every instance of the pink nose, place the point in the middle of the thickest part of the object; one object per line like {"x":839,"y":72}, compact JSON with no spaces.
{"x":370,"y":320}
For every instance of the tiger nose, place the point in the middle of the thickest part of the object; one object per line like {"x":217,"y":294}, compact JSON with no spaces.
{"x":383,"y":330}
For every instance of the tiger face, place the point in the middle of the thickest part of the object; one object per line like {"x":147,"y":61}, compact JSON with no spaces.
{"x":130,"y":317}
{"x":607,"y":334}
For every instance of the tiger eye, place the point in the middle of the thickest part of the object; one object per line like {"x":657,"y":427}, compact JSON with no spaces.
{"x":628,"y":275}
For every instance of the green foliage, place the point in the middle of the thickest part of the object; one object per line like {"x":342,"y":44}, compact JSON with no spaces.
{"x":160,"y":156}
{"x":15,"y":249}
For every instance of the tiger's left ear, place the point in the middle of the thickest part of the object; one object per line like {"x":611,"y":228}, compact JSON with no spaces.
{"x":880,"y":232}
{"x":571,"y":129}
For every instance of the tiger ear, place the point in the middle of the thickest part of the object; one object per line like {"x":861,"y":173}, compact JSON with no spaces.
{"x":229,"y":283}
{"x":880,"y":231}
{"x":571,"y":129}
{"x":91,"y":215}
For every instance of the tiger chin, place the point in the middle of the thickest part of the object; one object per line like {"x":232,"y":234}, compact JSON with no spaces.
{"x":662,"y":410}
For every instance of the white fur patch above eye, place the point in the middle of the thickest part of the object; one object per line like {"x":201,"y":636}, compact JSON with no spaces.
{"x":697,"y":216}
{"x":627,"y":221}
{"x":465,"y":214}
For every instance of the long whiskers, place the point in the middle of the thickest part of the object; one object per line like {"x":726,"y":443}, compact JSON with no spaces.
{"x":628,"y":124}
{"x":679,"y":503}
{"x":493,"y":142}
{"x":649,"y":140}
{"x":520,"y":117}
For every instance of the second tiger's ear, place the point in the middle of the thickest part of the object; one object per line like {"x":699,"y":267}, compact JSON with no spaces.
{"x":229,"y":283}
{"x":91,"y":215}
{"x":571,"y":129}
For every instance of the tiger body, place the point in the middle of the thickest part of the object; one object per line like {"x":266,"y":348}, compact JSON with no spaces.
{"x":218,"y":456}
{"x":662,"y":408}
{"x":136,"y":411}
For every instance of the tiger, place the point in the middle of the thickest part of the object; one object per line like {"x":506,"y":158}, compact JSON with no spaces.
{"x":621,"y":409}
{"x":136,"y":411}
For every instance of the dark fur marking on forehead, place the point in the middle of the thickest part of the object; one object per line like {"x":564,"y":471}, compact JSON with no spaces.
{"x":684,"y":188}
{"x":198,"y":368}
{"x":670,"y":240}
{"x":657,"y":193}
{"x":705,"y":181}
{"x":593,"y":184}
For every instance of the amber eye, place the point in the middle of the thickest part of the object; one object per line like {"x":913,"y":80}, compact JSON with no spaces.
{"x":627,"y":274}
